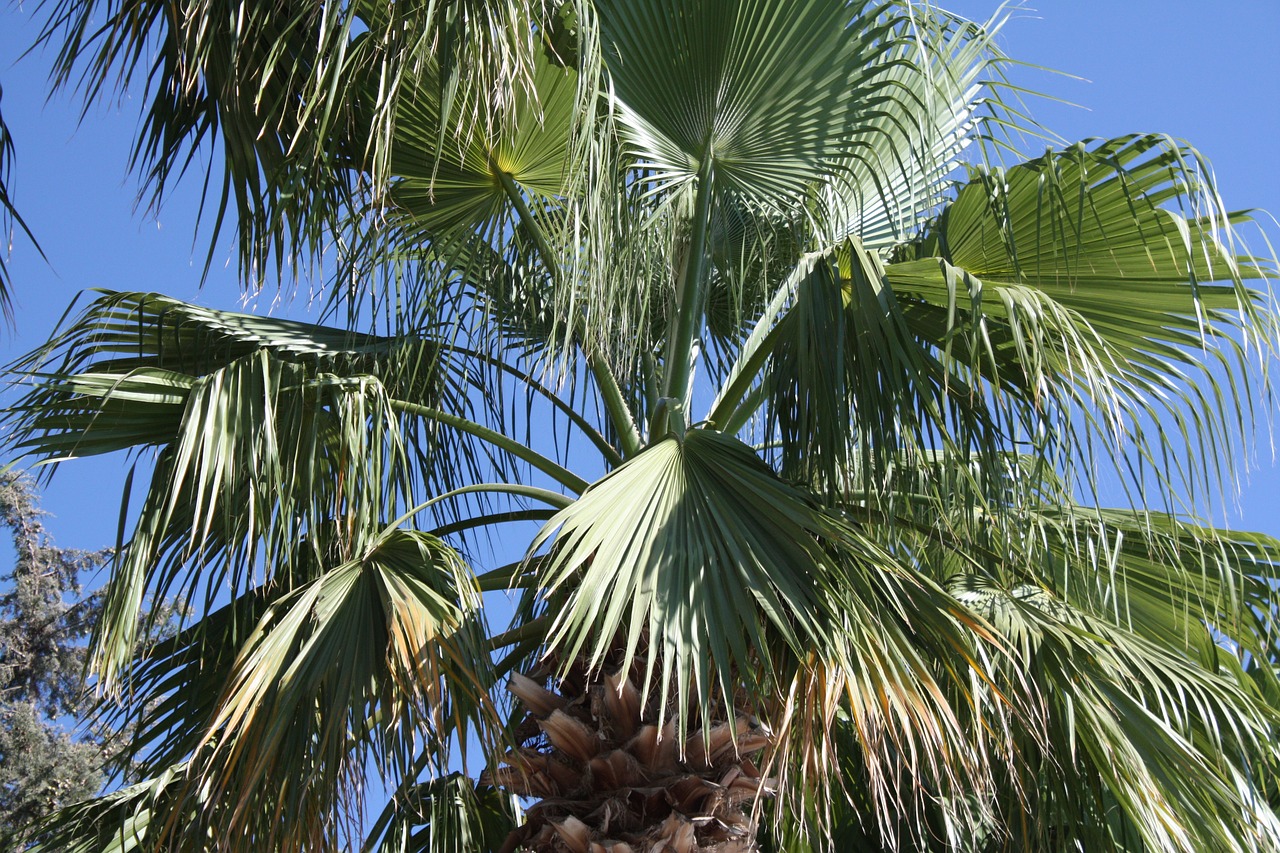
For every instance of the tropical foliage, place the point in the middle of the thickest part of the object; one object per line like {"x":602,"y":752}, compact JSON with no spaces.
{"x":796,"y":389}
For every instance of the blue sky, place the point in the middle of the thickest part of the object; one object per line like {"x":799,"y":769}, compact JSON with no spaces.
{"x":1204,"y":72}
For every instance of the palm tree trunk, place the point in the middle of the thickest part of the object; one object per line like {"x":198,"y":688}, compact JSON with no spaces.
{"x":611,"y":775}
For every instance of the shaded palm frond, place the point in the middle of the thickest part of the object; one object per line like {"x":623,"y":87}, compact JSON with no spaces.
{"x":283,"y":698}
{"x":287,"y":92}
{"x":373,"y":660}
{"x":682,"y":545}
{"x":851,"y":388}
{"x":895,"y":612}
{"x":188,"y":671}
{"x":452,"y":184}
{"x":447,"y":815}
{"x":118,"y":822}
{"x":1131,"y":727}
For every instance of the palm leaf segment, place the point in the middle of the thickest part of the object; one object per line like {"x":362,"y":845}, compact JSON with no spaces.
{"x":1068,"y":282}
{"x":671,"y":550}
{"x":1059,"y":301}
{"x":455,"y":180}
{"x":262,"y":424}
{"x":1107,"y":668}
{"x":360,"y":665}
{"x":300,"y":98}
{"x":284,"y":470}
{"x":759,"y":93}
{"x":940,"y":639}
{"x":9,"y":217}
{"x":783,"y":110}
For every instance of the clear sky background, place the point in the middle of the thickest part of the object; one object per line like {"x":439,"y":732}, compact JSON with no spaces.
{"x":1206,"y":72}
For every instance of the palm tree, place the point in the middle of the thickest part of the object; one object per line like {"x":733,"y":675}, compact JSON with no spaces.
{"x":797,"y":401}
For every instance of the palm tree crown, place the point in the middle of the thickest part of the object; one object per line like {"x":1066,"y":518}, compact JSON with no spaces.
{"x":801,"y":375}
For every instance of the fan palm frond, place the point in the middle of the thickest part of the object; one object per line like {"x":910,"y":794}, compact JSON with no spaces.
{"x":266,"y":430}
{"x":287,"y":94}
{"x":1106,"y":286}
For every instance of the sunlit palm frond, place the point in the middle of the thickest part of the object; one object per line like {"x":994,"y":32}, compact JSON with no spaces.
{"x":122,"y":333}
{"x":1095,"y":738}
{"x":682,"y":551}
{"x":723,"y":100}
{"x":1107,"y":581}
{"x":946,"y":73}
{"x":1091,"y":715}
{"x":285,"y":696}
{"x":767,"y":95}
{"x":1177,"y":584}
{"x":370,"y":661}
{"x":1160,"y":733}
{"x":807,"y":121}
{"x":454,"y":182}
{"x":892,"y":696}
{"x":1105,"y":286}
{"x":1099,"y":316}
{"x":1013,"y":522}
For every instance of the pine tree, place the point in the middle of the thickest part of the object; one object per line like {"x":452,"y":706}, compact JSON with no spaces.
{"x":45,"y":619}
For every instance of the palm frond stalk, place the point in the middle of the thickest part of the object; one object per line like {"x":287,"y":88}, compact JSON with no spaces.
{"x":812,"y":391}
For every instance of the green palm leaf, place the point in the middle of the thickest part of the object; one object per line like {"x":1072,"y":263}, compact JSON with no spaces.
{"x":1076,"y":286}
{"x":9,"y":217}
{"x":448,"y":815}
{"x":1154,"y":726}
{"x":288,"y":94}
{"x":1084,"y":300}
{"x":680,"y":549}
{"x":849,"y":385}
{"x":355,"y":664}
{"x":267,"y":430}
{"x":765,"y":93}
{"x":119,"y":822}
{"x":368,"y":662}
{"x":903,"y":154}
{"x":189,"y":671}
{"x":455,"y":179}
